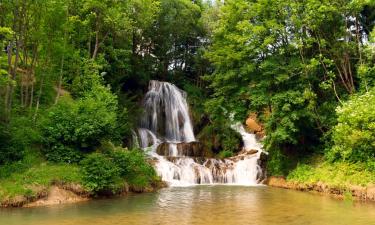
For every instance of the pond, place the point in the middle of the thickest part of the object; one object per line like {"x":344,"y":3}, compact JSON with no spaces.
{"x":220,"y":204}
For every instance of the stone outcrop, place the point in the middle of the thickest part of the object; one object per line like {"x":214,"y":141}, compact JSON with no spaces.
{"x":253,"y":125}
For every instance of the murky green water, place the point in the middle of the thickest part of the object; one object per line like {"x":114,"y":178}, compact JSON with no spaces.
{"x":202,"y":205}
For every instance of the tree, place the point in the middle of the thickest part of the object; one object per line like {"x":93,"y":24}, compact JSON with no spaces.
{"x":290,"y":61}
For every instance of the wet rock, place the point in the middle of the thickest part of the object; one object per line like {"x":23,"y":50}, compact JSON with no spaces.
{"x":193,"y":149}
{"x":163,"y":149}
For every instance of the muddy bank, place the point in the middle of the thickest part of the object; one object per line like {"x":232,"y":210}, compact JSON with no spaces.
{"x":60,"y":193}
{"x":357,"y":192}
{"x":57,"y":193}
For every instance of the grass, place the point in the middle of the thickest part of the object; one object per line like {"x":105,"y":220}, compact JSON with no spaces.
{"x":339,"y":174}
{"x":26,"y":177}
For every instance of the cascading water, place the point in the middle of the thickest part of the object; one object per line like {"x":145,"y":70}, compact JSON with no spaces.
{"x":167,"y":133}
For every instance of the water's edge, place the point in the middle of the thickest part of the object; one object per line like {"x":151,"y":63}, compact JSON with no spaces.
{"x":58,"y":194}
{"x":72,"y":194}
{"x":354,"y":191}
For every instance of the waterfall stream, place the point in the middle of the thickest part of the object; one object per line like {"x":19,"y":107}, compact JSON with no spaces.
{"x":166,"y":133}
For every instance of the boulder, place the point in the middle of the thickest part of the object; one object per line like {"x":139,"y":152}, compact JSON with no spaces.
{"x":252,"y":125}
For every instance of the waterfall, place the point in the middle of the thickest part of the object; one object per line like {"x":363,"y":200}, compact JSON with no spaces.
{"x":167,"y":133}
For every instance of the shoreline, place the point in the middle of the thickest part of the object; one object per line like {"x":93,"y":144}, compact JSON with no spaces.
{"x":353,"y":191}
{"x":59,"y":193}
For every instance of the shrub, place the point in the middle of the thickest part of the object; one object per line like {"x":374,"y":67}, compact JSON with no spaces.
{"x":134,"y":167}
{"x":100,"y":173}
{"x":109,"y":171}
{"x":225,"y":154}
{"x":61,"y":153}
{"x":220,"y":136}
{"x":16,"y":138}
{"x":278,"y":164}
{"x":75,"y":127}
{"x":354,"y":135}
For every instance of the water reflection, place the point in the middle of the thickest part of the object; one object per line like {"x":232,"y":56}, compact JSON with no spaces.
{"x":201,"y":205}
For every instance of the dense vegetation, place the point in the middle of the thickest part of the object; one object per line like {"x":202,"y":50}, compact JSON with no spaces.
{"x":295,"y":63}
{"x":72,"y":74}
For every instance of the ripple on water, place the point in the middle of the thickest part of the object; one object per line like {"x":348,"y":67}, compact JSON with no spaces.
{"x":207,"y":205}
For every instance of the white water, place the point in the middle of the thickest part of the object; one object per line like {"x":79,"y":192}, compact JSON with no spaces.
{"x":166,"y":119}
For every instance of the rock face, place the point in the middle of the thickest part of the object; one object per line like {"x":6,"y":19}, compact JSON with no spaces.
{"x":193,"y":149}
{"x":254,"y":126}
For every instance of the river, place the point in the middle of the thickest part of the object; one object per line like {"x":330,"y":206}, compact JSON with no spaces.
{"x":209,"y":205}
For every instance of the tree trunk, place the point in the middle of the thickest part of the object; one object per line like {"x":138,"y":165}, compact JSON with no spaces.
{"x":61,"y":71}
{"x":60,"y":80}
{"x":96,"y":48}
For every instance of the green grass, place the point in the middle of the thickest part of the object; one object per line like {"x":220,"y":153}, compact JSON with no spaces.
{"x":339,"y":174}
{"x":37,"y":177}
{"x":27,"y":177}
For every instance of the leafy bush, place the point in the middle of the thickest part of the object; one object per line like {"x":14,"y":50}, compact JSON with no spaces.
{"x":61,"y":153}
{"x":110,"y":170}
{"x":16,"y":138}
{"x":134,"y":167}
{"x":278,"y":164}
{"x":73,"y":127}
{"x":220,"y":136}
{"x":225,"y":154}
{"x":339,"y":174}
{"x":354,"y":135}
{"x":100,"y":173}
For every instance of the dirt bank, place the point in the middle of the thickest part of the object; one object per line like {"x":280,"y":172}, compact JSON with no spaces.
{"x":62,"y":193}
{"x":357,"y":192}
{"x":58,"y":195}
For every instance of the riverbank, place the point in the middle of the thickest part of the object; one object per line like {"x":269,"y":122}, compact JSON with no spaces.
{"x":343,"y":180}
{"x":59,"y":193}
{"x":36,"y":182}
{"x":201,"y":205}
{"x":356,"y":192}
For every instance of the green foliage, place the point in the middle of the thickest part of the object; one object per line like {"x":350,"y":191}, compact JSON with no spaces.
{"x":292,"y":62}
{"x":37,"y":177}
{"x":5,"y":34}
{"x":134,"y":167}
{"x":225,"y":154}
{"x":278,"y":164}
{"x":78,"y":126}
{"x":219,"y":136}
{"x":21,"y":134}
{"x":110,"y":170}
{"x":339,"y":174}
{"x":100,"y":173}
{"x":354,"y":135}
